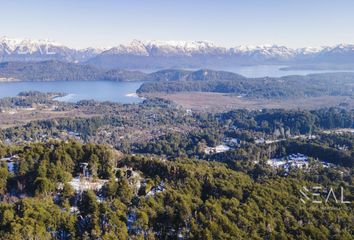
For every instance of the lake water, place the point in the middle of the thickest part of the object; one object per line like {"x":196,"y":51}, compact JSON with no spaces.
{"x":123,"y":92}
{"x":268,"y":71}
{"x":258,"y":71}
{"x":272,"y":71}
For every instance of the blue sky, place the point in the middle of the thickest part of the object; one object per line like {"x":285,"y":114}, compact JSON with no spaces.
{"x":83,"y":23}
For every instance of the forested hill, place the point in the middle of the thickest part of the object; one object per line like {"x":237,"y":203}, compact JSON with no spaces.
{"x":201,"y":75}
{"x":146,"y":198}
{"x":326,"y":84}
{"x":57,"y":71}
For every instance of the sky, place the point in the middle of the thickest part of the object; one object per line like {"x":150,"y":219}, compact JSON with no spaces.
{"x":107,"y":23}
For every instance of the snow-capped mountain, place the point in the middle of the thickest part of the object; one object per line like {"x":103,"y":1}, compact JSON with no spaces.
{"x":166,"y":48}
{"x":190,"y":48}
{"x":40,"y":50}
{"x":264,"y":51}
{"x":194,"y":54}
{"x":173,"y":54}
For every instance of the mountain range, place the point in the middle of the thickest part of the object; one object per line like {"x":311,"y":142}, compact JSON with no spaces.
{"x":175,"y":54}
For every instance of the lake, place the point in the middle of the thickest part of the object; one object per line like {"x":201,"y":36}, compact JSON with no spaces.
{"x":123,"y":92}
{"x":257,"y":71}
{"x":272,"y":71}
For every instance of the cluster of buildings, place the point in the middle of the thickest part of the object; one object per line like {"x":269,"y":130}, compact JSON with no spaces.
{"x":227,"y":144}
{"x":297,"y":160}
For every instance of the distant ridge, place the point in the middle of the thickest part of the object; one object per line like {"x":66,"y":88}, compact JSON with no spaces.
{"x":63,"y":71}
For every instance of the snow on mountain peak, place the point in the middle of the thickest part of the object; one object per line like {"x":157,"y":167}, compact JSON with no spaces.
{"x":158,"y":47}
{"x":13,"y":43}
{"x":12,"y":49}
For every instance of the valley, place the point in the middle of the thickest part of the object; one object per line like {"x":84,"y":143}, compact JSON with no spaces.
{"x":125,"y":165}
